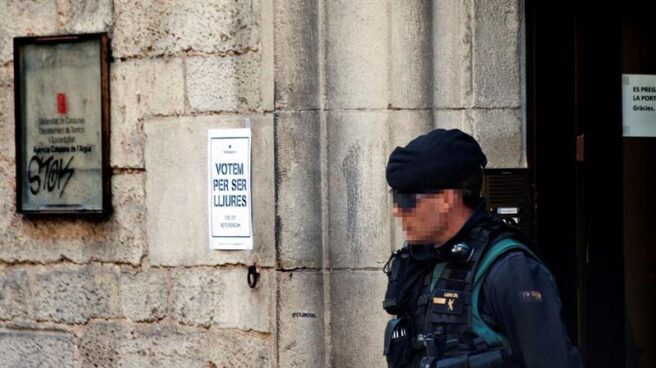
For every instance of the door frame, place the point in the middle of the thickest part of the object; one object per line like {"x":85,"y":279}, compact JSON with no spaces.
{"x":573,"y":89}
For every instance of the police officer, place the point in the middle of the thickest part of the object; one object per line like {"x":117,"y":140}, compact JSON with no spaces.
{"x":465,"y":288}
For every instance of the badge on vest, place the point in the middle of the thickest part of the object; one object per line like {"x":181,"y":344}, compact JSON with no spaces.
{"x":448,"y":302}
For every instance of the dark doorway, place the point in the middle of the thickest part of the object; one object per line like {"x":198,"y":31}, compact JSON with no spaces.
{"x":639,"y":181}
{"x":594,"y":186}
{"x":551,"y":145}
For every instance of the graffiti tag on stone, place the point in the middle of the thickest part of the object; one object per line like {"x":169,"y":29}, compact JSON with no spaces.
{"x":303,"y":315}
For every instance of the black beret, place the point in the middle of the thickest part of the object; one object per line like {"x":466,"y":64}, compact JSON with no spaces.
{"x":441,"y":159}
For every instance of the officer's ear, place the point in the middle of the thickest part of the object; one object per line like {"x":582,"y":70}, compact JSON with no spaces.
{"x":451,"y":198}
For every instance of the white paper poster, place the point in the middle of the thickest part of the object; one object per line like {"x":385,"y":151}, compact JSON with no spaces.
{"x":229,"y":189}
{"x":639,"y":105}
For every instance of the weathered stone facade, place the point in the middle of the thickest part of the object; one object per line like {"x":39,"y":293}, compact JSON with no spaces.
{"x":330,"y":88}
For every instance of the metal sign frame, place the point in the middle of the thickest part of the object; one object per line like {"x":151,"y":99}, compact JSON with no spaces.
{"x":21,"y":101}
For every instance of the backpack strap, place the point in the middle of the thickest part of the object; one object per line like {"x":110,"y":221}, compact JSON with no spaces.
{"x":478,"y":325}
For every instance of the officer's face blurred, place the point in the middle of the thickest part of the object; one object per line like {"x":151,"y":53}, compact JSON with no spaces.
{"x":427,"y":221}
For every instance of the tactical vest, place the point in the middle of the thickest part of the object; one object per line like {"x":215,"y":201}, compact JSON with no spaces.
{"x":438,"y":324}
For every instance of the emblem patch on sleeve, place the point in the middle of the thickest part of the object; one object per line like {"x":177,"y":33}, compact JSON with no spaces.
{"x":530,"y":296}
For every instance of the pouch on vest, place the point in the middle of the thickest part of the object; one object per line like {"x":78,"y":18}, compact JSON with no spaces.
{"x":403,"y":273}
{"x":396,"y":270}
{"x":397,"y":343}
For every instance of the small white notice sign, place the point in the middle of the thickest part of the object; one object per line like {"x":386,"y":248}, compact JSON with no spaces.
{"x":229,"y":188}
{"x":639,"y":105}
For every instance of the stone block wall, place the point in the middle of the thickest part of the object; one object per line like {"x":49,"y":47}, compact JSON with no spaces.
{"x":330,"y":87}
{"x":141,"y":288}
{"x":354,"y":79}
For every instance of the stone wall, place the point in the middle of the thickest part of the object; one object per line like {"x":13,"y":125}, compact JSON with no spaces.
{"x":330,"y":88}
{"x":354,"y":79}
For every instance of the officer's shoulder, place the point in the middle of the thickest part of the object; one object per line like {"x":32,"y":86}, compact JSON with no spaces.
{"x":512,"y":260}
{"x":512,"y":256}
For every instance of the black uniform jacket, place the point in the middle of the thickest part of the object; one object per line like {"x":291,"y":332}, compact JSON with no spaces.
{"x":520,"y":300}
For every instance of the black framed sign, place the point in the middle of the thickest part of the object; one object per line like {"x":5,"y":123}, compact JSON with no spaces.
{"x":62,"y":124}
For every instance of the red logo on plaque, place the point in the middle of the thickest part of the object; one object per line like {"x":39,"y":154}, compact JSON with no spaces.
{"x":61,"y":103}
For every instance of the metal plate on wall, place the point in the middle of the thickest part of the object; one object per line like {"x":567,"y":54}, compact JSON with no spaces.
{"x":508,"y":193}
{"x":62,"y":124}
